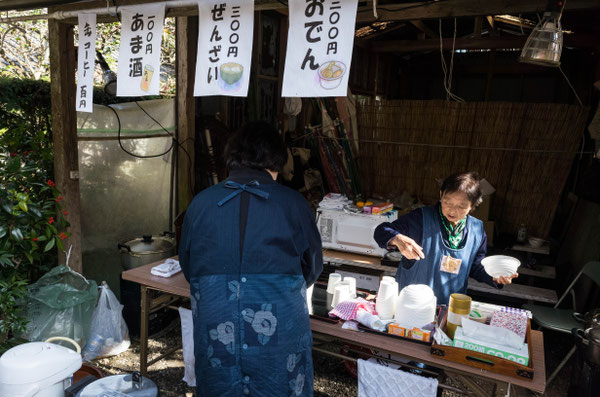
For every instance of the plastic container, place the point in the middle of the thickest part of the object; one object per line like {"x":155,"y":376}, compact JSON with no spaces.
{"x":458,"y":308}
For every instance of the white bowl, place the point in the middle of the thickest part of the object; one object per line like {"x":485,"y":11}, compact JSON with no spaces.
{"x":536,"y":242}
{"x":500,"y":265}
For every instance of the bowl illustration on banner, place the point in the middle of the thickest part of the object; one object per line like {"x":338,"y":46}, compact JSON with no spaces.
{"x":331,"y":73}
{"x":231,"y":72}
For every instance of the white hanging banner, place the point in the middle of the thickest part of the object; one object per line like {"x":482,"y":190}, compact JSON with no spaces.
{"x":224,"y":56}
{"x":139,"y":52}
{"x":86,"y":62}
{"x":319,"y":50}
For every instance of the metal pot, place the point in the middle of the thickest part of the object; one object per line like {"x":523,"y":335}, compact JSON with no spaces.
{"x":146,"y":249}
{"x":590,"y":319}
{"x":591,"y":340}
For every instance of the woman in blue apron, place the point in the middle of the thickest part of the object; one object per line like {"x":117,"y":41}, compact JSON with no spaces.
{"x":442,"y":245}
{"x":249,"y":248}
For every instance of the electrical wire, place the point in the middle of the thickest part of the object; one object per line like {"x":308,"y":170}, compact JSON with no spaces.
{"x":448,"y":76}
{"x":424,"y":4}
{"x":499,"y":149}
{"x":570,"y":85}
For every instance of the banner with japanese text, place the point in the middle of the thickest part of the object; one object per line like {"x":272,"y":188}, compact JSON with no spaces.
{"x":86,"y":62}
{"x":319,"y":49}
{"x":139,"y":52}
{"x":225,"y":34}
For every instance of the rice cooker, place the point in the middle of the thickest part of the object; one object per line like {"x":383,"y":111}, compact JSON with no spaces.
{"x":37,"y":369}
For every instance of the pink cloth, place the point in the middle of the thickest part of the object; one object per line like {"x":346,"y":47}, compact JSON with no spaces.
{"x":347,"y":310}
{"x":516,"y":322}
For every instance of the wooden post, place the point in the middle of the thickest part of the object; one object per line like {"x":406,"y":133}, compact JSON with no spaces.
{"x":186,"y":36}
{"x":64,"y":132}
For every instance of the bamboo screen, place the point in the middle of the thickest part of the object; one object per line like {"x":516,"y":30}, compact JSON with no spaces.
{"x":524,"y":150}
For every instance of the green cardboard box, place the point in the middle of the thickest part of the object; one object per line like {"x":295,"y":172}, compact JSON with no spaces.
{"x":519,"y":356}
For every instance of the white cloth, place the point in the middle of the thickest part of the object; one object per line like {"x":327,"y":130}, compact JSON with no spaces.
{"x":375,"y":380}
{"x":167,"y":268}
{"x":187,"y":339}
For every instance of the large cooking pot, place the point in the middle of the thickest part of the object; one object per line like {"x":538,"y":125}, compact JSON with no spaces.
{"x":146,"y":249}
{"x":590,"y":319}
{"x":591,"y":340}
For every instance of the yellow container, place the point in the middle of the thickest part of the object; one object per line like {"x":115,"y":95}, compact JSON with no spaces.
{"x":459,"y":307}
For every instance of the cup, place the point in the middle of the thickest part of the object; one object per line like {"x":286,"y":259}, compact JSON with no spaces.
{"x":341,"y":294}
{"x":351,"y":281}
{"x":334,"y":279}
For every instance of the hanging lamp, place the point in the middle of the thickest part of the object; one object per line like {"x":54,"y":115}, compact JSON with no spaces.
{"x":544,"y":44}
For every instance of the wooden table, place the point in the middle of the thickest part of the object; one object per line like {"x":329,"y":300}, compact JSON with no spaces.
{"x":178,"y":286}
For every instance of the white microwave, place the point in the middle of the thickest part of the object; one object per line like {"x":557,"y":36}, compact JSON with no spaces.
{"x":346,"y":231}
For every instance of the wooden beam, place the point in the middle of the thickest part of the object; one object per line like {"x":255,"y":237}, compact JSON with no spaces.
{"x":424,"y":28}
{"x":186,"y":34}
{"x":477,"y":24}
{"x":462,"y":8}
{"x":575,"y":40}
{"x":64,"y":133}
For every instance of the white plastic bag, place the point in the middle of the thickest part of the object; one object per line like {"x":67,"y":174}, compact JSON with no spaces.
{"x":187,"y":337}
{"x":109,"y":335}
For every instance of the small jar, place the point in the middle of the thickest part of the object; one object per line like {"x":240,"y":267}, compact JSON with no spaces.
{"x":459,"y":307}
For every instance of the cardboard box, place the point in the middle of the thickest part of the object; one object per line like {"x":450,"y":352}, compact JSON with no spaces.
{"x":519,"y":356}
{"x":415,"y":333}
{"x":488,"y":226}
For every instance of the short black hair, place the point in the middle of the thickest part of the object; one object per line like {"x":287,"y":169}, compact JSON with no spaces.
{"x":466,"y":182}
{"x":256,"y":145}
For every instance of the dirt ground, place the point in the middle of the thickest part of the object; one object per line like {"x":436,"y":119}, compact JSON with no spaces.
{"x":331,"y":377}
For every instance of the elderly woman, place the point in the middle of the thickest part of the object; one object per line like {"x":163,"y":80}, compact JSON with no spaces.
{"x":442,"y":245}
{"x":249,"y":248}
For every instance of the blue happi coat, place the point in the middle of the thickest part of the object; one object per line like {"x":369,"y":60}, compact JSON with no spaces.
{"x":249,"y":247}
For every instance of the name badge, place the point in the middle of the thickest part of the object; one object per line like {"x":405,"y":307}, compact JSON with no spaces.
{"x":450,"y":264}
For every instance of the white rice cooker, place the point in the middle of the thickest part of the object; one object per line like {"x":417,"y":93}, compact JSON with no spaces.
{"x":37,"y":369}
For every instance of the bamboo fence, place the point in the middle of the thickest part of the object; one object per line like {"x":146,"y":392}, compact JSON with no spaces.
{"x":524,"y":150}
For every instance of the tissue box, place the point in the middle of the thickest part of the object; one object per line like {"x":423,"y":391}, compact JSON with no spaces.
{"x":520,"y":356}
{"x":515,"y":322}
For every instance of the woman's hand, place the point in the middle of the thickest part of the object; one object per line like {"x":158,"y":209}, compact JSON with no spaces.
{"x":408,"y":247}
{"x":505,"y":280}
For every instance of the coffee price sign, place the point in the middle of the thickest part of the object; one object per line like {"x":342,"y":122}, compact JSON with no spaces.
{"x":139,"y":52}
{"x":86,"y":61}
{"x":319,"y":51}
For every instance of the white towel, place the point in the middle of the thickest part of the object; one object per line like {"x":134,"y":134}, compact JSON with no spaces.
{"x":166,"y":269}
{"x":187,"y":339}
{"x":375,"y":380}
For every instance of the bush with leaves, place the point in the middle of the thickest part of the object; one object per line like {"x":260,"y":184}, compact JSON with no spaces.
{"x":31,"y":218}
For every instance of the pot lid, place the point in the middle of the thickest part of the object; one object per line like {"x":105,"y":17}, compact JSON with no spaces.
{"x":148,"y":244}
{"x":133,"y":385}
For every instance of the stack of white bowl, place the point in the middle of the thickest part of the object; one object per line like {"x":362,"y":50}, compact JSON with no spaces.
{"x":415,"y":306}
{"x":386,"y":298}
{"x":500,"y":265}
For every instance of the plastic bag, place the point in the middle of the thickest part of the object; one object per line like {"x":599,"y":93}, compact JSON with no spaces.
{"x":109,"y":335}
{"x":60,"y":303}
{"x":187,"y":339}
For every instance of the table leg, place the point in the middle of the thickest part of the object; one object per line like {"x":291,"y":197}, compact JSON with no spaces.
{"x":145,"y":309}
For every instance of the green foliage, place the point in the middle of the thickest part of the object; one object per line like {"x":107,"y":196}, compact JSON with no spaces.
{"x":31,"y":218}
{"x":11,"y":290}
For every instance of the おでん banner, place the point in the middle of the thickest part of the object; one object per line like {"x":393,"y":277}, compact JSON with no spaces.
{"x":86,"y":62}
{"x":139,"y":52}
{"x":319,"y":50}
{"x":224,"y":47}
